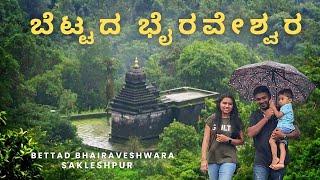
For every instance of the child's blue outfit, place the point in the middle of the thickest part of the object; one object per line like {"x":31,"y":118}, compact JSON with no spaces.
{"x":285,"y":123}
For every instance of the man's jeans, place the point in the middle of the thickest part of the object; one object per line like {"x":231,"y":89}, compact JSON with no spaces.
{"x":222,"y":171}
{"x":263,"y":173}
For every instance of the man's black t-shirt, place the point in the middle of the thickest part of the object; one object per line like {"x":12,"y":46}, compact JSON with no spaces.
{"x":263,"y":154}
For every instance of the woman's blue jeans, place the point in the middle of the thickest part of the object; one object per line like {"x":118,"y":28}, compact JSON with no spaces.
{"x":222,"y":171}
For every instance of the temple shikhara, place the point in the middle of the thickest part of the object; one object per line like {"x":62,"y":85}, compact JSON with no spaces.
{"x":142,"y":111}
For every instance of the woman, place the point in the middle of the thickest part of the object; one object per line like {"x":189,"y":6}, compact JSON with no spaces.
{"x":223,"y":131}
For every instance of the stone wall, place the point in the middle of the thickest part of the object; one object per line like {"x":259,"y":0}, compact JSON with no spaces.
{"x":145,"y":126}
{"x":188,"y":114}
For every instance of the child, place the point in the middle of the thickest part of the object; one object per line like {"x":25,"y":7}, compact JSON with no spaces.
{"x":285,"y":124}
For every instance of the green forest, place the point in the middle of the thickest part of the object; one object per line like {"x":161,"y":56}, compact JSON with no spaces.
{"x":47,"y":78}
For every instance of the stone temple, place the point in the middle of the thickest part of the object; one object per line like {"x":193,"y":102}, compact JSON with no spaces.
{"x":142,"y":111}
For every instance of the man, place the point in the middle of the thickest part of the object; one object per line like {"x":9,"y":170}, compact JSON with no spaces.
{"x":262,"y":125}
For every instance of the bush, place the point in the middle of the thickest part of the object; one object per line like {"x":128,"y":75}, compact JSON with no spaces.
{"x":15,"y":159}
{"x":179,"y":136}
{"x":305,"y":159}
{"x":245,"y":163}
{"x":187,"y":165}
{"x":61,"y":130}
{"x":29,"y":115}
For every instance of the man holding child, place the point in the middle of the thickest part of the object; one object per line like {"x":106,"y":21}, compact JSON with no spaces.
{"x":263,"y":123}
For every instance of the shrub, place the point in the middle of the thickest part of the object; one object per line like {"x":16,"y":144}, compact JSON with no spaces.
{"x":178,"y":136}
{"x":15,"y":159}
{"x":60,"y":130}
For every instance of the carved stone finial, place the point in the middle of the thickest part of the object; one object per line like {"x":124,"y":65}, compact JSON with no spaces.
{"x":136,"y":63}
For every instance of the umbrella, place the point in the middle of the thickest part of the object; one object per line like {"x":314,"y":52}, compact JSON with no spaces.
{"x":275,"y":76}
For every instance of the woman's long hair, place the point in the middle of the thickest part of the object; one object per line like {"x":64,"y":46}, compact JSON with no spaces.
{"x":235,"y":120}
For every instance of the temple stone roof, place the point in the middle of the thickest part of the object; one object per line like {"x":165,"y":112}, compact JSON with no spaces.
{"x":185,"y":96}
{"x":135,"y":96}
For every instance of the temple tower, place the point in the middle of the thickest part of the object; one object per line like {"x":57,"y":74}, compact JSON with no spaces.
{"x":136,"y":110}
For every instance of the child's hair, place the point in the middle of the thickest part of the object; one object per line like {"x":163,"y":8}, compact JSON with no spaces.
{"x":286,"y":92}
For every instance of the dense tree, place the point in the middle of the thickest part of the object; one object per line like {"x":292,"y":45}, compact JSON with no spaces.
{"x":205,"y":60}
{"x":157,"y":74}
{"x":35,"y":55}
{"x":12,"y":19}
{"x":95,"y":65}
{"x":67,"y":102}
{"x":10,"y":80}
{"x":46,"y":88}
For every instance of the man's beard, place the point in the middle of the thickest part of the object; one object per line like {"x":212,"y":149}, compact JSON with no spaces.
{"x":264,"y":106}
